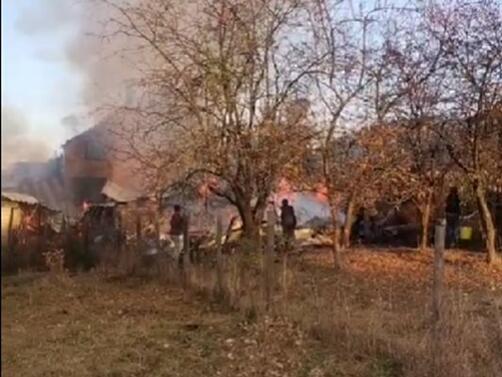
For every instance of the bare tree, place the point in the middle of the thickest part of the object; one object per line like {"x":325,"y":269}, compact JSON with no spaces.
{"x":351,"y":94}
{"x":228,"y":70}
{"x":414,"y":61}
{"x":342,"y":77}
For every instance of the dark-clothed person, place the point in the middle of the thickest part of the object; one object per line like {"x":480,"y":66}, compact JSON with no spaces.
{"x":452,"y":217}
{"x":288,"y":223}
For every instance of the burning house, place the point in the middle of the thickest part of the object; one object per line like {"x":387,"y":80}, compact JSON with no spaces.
{"x":64,"y":183}
{"x":86,"y":165}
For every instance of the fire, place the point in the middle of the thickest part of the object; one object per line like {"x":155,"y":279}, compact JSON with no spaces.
{"x":286,"y":191}
{"x":321,"y":192}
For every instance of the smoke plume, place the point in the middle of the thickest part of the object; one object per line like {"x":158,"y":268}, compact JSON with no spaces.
{"x":17,"y":143}
{"x":105,"y":66}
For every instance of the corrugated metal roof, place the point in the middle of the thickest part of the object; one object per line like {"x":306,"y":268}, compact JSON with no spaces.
{"x":19,"y":198}
{"x":119,"y":193}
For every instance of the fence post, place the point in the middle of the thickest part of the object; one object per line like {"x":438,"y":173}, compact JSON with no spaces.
{"x":437,"y":293}
{"x":219,"y":256}
{"x":186,"y":269}
{"x":269,"y":254}
{"x":186,"y":242}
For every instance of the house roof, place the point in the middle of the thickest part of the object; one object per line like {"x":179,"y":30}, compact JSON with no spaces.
{"x":120,"y":194}
{"x":19,"y":198}
{"x":96,"y":133}
{"x":79,"y":136}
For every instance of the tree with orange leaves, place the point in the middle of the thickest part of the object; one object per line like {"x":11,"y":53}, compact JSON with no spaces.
{"x":471,"y":38}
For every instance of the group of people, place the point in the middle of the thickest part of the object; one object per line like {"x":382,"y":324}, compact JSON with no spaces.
{"x":452,"y":210}
{"x":178,"y":224}
{"x":288,"y":223}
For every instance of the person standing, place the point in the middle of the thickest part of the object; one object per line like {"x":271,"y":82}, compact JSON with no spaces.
{"x":452,"y":217}
{"x":177,"y":229}
{"x":288,"y":223}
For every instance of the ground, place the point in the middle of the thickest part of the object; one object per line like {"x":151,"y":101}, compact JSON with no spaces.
{"x":370,"y":320}
{"x":87,"y":327}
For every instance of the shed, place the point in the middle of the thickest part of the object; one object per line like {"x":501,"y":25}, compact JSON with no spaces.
{"x":12,"y":206}
{"x":21,"y":208}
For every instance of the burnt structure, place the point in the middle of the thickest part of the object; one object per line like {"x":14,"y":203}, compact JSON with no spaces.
{"x":86,"y":165}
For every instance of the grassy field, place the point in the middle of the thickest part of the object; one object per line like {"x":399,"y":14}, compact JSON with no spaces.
{"x":371,"y":320}
{"x":85,"y":326}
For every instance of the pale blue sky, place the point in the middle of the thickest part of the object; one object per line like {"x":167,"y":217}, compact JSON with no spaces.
{"x":37,"y":79}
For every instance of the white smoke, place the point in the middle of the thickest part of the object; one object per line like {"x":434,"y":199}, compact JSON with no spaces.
{"x":105,"y":66}
{"x":17,"y":142}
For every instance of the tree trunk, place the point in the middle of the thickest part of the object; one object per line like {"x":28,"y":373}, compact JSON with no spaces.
{"x":251,"y":222}
{"x":437,"y":295}
{"x":347,"y":229}
{"x":487,"y":225}
{"x":336,"y":247}
{"x":425,"y":214}
{"x":249,"y":228}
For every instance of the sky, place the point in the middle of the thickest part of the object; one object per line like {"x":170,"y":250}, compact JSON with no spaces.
{"x":39,"y":84}
{"x":54,"y":75}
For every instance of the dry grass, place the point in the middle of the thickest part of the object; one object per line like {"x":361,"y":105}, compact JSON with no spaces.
{"x":371,"y":320}
{"x":85,"y":326}
{"x":379,"y":308}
